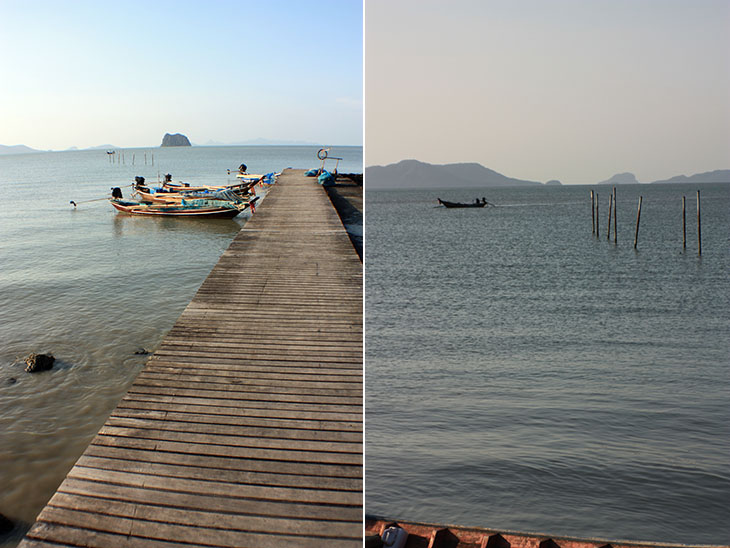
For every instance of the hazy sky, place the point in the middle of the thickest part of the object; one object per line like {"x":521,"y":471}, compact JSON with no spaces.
{"x":574,"y":90}
{"x":86,"y":73}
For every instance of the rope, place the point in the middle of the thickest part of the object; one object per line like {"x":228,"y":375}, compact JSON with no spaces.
{"x":95,"y":199}
{"x":87,"y":201}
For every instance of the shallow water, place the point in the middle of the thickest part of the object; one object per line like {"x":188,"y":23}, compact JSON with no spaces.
{"x":523,"y":374}
{"x":93,"y":287}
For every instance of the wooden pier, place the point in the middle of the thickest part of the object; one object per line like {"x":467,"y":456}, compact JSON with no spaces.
{"x":244,"y":429}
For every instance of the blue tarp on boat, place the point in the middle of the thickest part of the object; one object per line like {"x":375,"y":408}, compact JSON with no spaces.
{"x":326,"y":179}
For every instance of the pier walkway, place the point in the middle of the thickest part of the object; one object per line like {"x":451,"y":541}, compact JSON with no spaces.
{"x":244,"y":429}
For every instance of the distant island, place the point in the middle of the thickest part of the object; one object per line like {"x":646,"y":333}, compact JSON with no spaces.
{"x":717,"y":176}
{"x":17,"y":149}
{"x":415,"y":174}
{"x":175,"y":140}
{"x":621,"y":179}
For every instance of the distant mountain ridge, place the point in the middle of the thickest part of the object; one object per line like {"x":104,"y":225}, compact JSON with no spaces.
{"x":16,"y":149}
{"x":621,"y":179}
{"x":416,"y":174}
{"x":717,"y":176}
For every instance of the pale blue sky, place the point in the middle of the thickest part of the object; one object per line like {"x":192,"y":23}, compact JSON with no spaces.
{"x":85,"y":73}
{"x":575,"y":90}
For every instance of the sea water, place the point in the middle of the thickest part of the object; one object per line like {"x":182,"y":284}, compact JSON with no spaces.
{"x":524,"y":374}
{"x":97,"y":289}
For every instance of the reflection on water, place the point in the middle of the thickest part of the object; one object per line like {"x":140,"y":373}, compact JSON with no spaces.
{"x":174,"y":225}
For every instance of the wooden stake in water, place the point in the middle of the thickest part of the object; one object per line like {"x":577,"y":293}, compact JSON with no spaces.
{"x":638,"y":218}
{"x":684,"y":224}
{"x":615,"y":224}
{"x":610,"y":211}
{"x":593,"y":215}
{"x":699,"y":226}
{"x":597,"y":216}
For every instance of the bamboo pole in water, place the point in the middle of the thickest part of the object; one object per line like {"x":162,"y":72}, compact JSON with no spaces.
{"x":615,"y":223}
{"x":593,"y":214}
{"x":684,"y":224}
{"x":597,"y":216}
{"x":699,"y":226}
{"x":638,"y":218}
{"x":610,"y":211}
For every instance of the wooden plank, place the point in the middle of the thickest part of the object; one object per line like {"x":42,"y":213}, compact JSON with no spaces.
{"x":309,"y":410}
{"x":337,"y":470}
{"x":147,"y":387}
{"x":201,"y":518}
{"x":274,"y":478}
{"x":221,"y":419}
{"x":155,"y":530}
{"x":210,"y":503}
{"x":240,"y":442}
{"x":264,"y":435}
{"x":245,"y":426}
{"x":219,"y":488}
{"x":222,"y":407}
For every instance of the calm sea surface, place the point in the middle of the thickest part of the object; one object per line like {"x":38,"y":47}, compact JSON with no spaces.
{"x":522,"y":374}
{"x":92,"y":287}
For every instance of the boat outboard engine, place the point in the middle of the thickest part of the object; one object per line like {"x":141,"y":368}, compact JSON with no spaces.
{"x":242,"y":168}
{"x":168,"y":178}
{"x":117,"y":193}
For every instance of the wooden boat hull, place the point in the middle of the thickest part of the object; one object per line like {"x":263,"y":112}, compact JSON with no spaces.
{"x":136,"y":208}
{"x":431,"y":535}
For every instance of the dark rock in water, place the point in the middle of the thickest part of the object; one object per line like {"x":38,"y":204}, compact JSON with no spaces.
{"x":141,"y":352}
{"x":175,"y":140}
{"x":39,"y":362}
{"x":11,"y":380}
{"x":5,"y":525}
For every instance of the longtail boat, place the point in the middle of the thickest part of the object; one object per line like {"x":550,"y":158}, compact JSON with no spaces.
{"x":265,"y":178}
{"x":186,"y":187}
{"x":171,"y":192}
{"x":186,"y":208}
{"x":421,"y":535}
{"x":476,"y":203}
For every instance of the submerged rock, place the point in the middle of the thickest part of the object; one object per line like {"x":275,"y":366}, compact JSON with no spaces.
{"x":141,"y":352}
{"x":11,"y":380}
{"x":39,"y":362}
